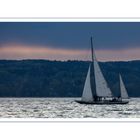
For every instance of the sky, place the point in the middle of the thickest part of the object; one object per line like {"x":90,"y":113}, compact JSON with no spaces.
{"x":112,"y":41}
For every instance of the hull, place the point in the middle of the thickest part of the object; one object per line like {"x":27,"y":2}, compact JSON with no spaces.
{"x":103,"y":102}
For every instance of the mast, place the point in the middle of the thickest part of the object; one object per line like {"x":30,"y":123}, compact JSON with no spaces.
{"x":93,"y":83}
{"x":92,"y":49}
{"x":88,"y":94}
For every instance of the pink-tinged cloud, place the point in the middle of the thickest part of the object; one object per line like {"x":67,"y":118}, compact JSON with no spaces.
{"x":18,"y":51}
{"x":39,"y":52}
{"x":119,"y":55}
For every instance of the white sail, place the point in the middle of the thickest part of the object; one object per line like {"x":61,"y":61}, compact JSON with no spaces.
{"x":102,"y":89}
{"x":123,"y":90}
{"x":87,"y":93}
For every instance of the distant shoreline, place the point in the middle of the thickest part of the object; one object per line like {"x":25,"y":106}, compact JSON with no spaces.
{"x":65,"y":60}
{"x":48,"y":78}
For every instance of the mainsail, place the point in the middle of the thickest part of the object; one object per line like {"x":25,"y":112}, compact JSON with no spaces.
{"x":87,"y":93}
{"x":102,"y":89}
{"x":123,"y":90}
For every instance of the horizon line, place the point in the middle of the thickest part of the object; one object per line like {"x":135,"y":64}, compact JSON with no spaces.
{"x":67,"y":60}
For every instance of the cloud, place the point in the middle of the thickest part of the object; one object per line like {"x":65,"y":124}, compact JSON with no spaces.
{"x":18,"y":51}
{"x":119,"y":55}
{"x":21,"y":51}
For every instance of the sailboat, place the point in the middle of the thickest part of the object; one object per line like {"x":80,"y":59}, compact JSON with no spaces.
{"x":96,"y":89}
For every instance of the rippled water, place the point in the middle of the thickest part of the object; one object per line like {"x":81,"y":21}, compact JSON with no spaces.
{"x":64,"y":108}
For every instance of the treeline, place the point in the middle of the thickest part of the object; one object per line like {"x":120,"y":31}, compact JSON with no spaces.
{"x":44,"y":78}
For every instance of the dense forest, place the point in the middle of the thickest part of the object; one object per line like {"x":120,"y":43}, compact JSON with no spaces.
{"x":44,"y":78}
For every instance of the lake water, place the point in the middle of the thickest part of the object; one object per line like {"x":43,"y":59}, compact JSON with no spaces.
{"x":64,"y":108}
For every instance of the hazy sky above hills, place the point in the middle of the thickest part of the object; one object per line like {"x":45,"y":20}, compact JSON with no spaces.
{"x":69,"y":40}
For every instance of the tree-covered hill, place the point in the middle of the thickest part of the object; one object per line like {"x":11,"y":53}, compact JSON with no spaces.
{"x":43,"y":78}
